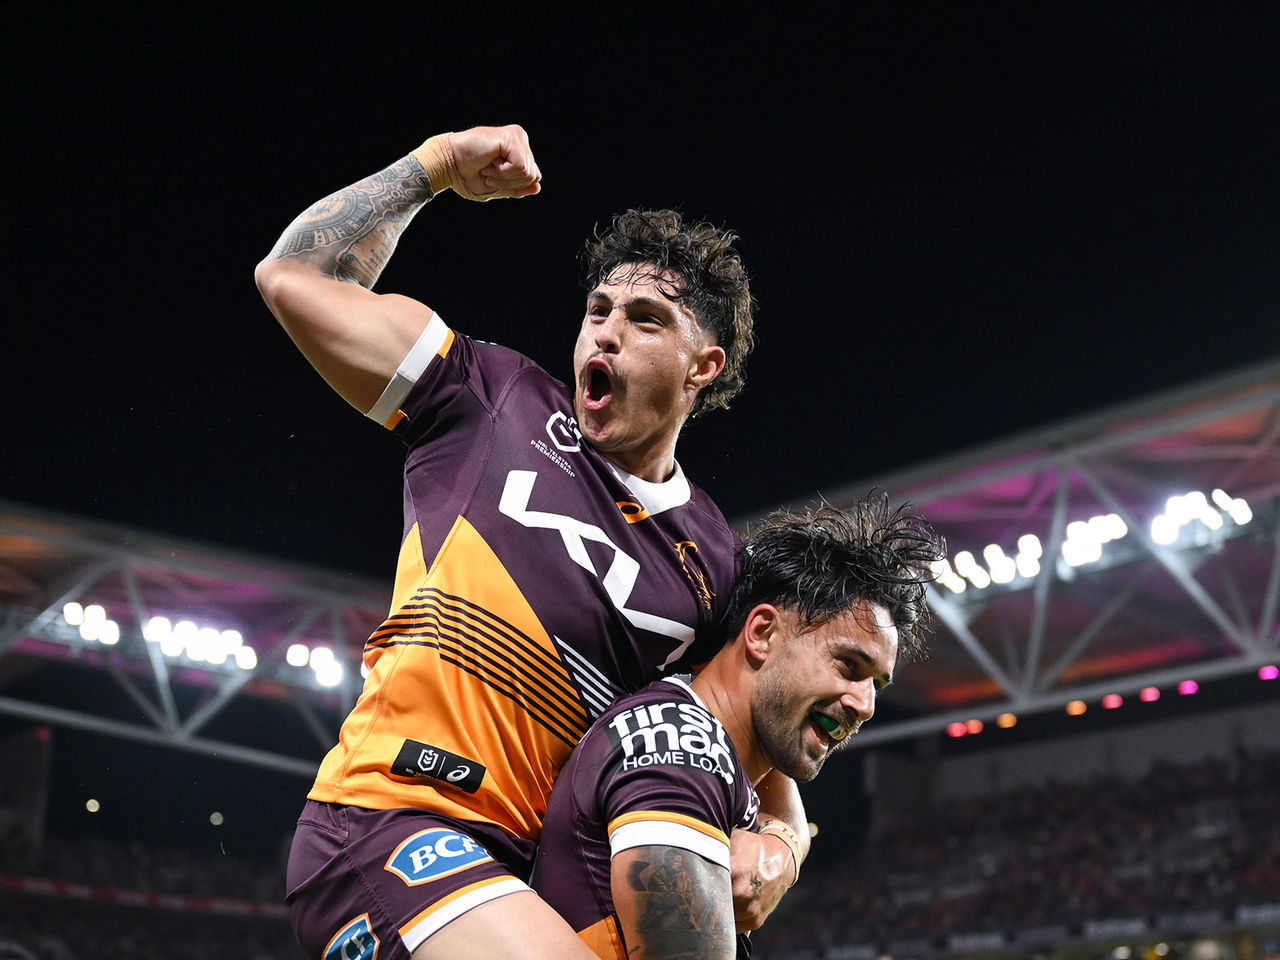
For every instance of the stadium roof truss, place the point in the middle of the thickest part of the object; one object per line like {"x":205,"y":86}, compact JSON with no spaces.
{"x":275,"y":714}
{"x":1152,"y":558}
{"x":1142,"y":602}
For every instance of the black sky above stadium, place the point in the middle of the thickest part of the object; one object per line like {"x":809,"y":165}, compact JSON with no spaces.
{"x":963,"y":220}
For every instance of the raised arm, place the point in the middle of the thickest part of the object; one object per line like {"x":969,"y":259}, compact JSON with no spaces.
{"x":766,"y":864}
{"x":318,"y":280}
{"x":672,"y":903}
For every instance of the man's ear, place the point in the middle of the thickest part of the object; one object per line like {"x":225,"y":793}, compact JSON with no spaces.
{"x":760,"y":634}
{"x":707,"y":363}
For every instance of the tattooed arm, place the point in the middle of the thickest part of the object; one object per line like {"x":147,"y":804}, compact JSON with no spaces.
{"x":318,"y":280}
{"x":765,"y":866}
{"x":672,"y":903}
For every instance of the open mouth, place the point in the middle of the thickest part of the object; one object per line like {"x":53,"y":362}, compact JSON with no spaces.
{"x":597,"y":384}
{"x":832,"y":729}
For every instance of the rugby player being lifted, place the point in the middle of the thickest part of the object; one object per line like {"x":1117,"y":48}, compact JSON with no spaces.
{"x":554,"y":557}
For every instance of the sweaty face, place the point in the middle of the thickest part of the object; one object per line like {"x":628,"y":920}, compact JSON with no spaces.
{"x":818,"y":686}
{"x":639,"y":362}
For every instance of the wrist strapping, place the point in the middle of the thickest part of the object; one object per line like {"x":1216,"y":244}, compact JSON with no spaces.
{"x":784,"y":833}
{"x":437,"y":160}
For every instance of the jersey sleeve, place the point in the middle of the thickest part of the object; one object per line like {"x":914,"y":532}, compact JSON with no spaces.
{"x":671,"y":778}
{"x":434,"y":342}
{"x":441,"y":365}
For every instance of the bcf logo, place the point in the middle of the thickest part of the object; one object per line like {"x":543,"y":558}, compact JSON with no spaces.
{"x":431,"y":854}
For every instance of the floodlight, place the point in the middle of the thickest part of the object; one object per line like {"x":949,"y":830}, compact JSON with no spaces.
{"x":157,"y":628}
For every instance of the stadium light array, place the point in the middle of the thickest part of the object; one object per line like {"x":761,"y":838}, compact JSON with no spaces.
{"x":1189,"y":519}
{"x":321,"y":659}
{"x":199,"y":644}
{"x":92,"y":623}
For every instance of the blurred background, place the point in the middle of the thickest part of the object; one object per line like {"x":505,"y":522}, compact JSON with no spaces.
{"x":1015,"y":263}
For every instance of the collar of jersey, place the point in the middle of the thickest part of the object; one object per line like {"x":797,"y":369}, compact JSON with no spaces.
{"x":681,"y":682}
{"x":655,"y":497}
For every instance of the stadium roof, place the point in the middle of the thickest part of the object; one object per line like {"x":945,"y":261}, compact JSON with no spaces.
{"x":1159,"y":590}
{"x":1142,"y":602}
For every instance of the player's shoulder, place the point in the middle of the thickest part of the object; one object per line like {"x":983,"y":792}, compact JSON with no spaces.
{"x":650,"y":704}
{"x":496,"y":370}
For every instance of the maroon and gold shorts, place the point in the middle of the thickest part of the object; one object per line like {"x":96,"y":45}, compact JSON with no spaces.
{"x":374,"y":884}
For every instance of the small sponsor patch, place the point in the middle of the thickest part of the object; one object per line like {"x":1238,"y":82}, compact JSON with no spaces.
{"x":417,"y":759}
{"x":431,"y":854}
{"x":355,"y":941}
{"x":634,"y":512}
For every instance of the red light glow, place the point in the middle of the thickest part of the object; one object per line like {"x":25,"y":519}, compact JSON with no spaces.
{"x":1269,"y":672}
{"x":1149,"y":695}
{"x":973,"y":726}
{"x":956,"y":730}
{"x":1112,"y":700}
{"x":1188,"y":687}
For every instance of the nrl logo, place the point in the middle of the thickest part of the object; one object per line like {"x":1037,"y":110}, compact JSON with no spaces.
{"x":563,"y":431}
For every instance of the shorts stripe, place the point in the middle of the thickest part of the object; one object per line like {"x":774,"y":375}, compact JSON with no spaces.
{"x":430,"y":921}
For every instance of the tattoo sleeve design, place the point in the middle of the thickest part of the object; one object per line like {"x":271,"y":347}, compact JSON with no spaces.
{"x":679,"y":910}
{"x":351,"y":234}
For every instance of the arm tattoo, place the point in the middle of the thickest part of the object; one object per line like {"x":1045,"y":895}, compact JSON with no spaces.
{"x":680,"y":913}
{"x":351,"y":234}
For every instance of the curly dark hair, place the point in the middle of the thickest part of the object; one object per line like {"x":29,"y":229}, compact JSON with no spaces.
{"x":822,"y":562}
{"x":712,"y":282}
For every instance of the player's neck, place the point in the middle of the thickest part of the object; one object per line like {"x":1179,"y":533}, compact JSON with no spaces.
{"x":730,"y":702}
{"x":655,"y":464}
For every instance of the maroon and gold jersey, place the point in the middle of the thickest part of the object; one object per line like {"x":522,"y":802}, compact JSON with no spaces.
{"x":536,"y":583}
{"x":657,"y":770}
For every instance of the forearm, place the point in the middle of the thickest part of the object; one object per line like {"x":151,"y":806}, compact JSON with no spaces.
{"x":780,"y":800}
{"x":351,"y":234}
{"x":766,"y":864}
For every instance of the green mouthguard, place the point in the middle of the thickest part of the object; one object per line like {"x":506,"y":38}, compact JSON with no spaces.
{"x":826,"y":723}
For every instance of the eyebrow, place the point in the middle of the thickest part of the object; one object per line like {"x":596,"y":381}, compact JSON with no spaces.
{"x":651,"y":302}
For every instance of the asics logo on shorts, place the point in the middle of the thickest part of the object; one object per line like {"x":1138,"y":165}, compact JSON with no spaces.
{"x":355,"y":941}
{"x":432,"y":854}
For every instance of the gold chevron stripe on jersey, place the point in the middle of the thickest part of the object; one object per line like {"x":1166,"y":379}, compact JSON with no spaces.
{"x":604,"y":939}
{"x":489,"y":688}
{"x":474,"y":640}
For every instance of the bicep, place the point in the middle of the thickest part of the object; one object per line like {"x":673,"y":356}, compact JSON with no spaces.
{"x":354,"y":338}
{"x":672,"y":902}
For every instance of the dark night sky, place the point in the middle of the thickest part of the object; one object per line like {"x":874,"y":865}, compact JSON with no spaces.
{"x":962,"y":221}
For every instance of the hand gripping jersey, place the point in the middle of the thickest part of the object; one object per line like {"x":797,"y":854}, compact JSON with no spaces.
{"x":536,"y":583}
{"x":658,"y":769}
